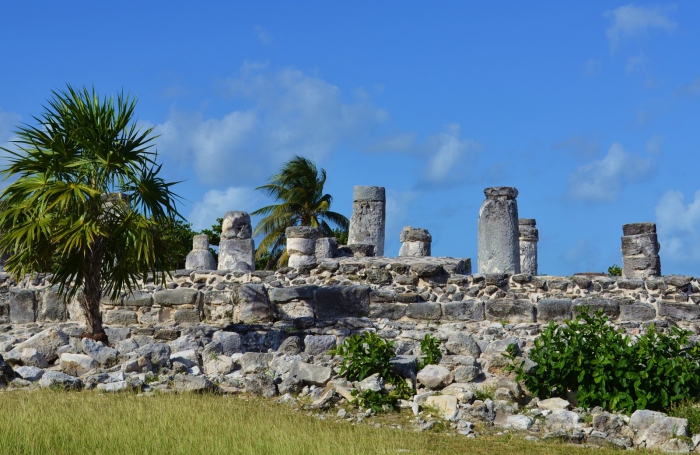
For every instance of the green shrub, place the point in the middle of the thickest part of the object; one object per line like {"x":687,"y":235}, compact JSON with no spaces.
{"x":607,"y":369}
{"x":430,"y":351}
{"x":615,"y":270}
{"x":366,"y":354}
{"x":687,"y":409}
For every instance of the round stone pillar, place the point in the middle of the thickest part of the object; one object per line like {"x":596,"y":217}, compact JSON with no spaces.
{"x":415,"y":242}
{"x":529,"y":236}
{"x":640,"y":251}
{"x":200,"y":258}
{"x":499,"y":247}
{"x":236,"y":248}
{"x":368,"y":221}
{"x":301,"y":245}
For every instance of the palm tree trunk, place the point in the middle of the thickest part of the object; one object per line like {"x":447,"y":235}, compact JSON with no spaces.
{"x":92,"y":292}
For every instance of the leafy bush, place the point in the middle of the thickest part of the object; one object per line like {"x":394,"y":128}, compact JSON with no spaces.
{"x":615,"y":270}
{"x":430,"y":351}
{"x":607,"y":369}
{"x":367,"y":354}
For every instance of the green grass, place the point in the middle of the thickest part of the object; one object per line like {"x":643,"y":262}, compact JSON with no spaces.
{"x":47,"y":422}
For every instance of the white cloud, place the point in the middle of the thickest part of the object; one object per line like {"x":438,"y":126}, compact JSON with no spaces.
{"x":639,"y":63}
{"x":216,"y":203}
{"x":632,"y":21}
{"x":8,"y":123}
{"x":579,"y":145}
{"x":449,"y":155}
{"x":679,"y":227}
{"x":690,"y":89}
{"x":263,"y":35}
{"x":655,"y":145}
{"x":290,"y":113}
{"x":604,"y":179}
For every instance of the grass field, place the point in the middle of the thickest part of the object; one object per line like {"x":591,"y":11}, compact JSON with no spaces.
{"x":48,"y":423}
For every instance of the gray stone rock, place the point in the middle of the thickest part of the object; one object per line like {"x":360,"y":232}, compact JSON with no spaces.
{"x":319,"y":344}
{"x":188,"y":383}
{"x":472,"y":310}
{"x":254,"y":304}
{"x":511,"y":310}
{"x":519,"y":422}
{"x":431,"y":311}
{"x":553,"y":404}
{"x":465,"y":373}
{"x":51,"y":307}
{"x":499,"y":248}
{"x":562,"y":419}
{"x":528,"y":238}
{"x":405,"y":366}
{"x":113,"y":387}
{"x":291,"y":345}
{"x":230,"y":342}
{"x":157,"y":353}
{"x":640,"y":251}
{"x":236,"y":225}
{"x":32,"y":357}
{"x":333,"y":302}
{"x":22,"y":306}
{"x":117,"y":334}
{"x":556,"y":310}
{"x":260,"y":384}
{"x":6,"y":372}
{"x":120,"y":317}
{"x":655,"y":428}
{"x":326,"y":248}
{"x":29,"y":373}
{"x":237,"y":255}
{"x":462,"y":344}
{"x":105,"y":355}
{"x":434,"y":377}
{"x":375,"y":383}
{"x":173,"y":297}
{"x":310,"y":374}
{"x":200,"y":258}
{"x":284,"y":295}
{"x":368,"y":221}
{"x":77,"y":364}
{"x":188,"y":358}
{"x":186,"y":316}
{"x":637,"y":312}
{"x":254,"y":362}
{"x":679,"y":281}
{"x":56,"y":379}
{"x":46,"y":342}
{"x":138,"y":299}
{"x":611,"y":308}
{"x":184,"y":343}
{"x":678,"y":311}
{"x":301,"y":245}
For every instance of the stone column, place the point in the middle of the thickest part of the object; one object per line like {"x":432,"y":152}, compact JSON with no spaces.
{"x":301,"y":245}
{"x":200,"y":258}
{"x":326,"y":248}
{"x":415,"y":242}
{"x":368,"y":221}
{"x":499,"y":249}
{"x":236,"y":248}
{"x":529,"y":236}
{"x":640,"y":251}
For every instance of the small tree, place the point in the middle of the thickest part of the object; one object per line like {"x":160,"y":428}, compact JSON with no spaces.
{"x":86,"y":199}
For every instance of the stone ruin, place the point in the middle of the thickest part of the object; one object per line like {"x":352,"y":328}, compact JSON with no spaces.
{"x":200,"y":258}
{"x":368,"y":221}
{"x":640,"y":251}
{"x":236,"y":248}
{"x":301,"y":245}
{"x":415,"y":242}
{"x":499,"y":248}
{"x":529,"y":236}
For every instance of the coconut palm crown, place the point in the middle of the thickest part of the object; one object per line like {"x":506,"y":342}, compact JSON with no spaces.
{"x":299,"y":189}
{"x":85,"y":200}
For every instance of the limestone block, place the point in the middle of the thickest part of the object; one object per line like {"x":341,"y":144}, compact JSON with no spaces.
{"x":318,"y":344}
{"x":182,"y":296}
{"x":22,"y":306}
{"x":301,"y":245}
{"x":424,"y":311}
{"x":679,"y":311}
{"x":499,"y":249}
{"x":254,"y":304}
{"x":326,"y":248}
{"x":462,"y":344}
{"x":51,"y":307}
{"x":237,"y":255}
{"x":511,"y":310}
{"x":29,"y":373}
{"x":434,"y":377}
{"x":77,"y":364}
{"x":138,"y":299}
{"x":284,"y":295}
{"x":415,"y":249}
{"x":554,"y":310}
{"x":387,"y":310}
{"x":104,"y":355}
{"x":230,"y":342}
{"x":637,"y":312}
{"x":310,"y":374}
{"x":33,"y":358}
{"x":236,"y":225}
{"x":53,"y":379}
{"x":120,"y":317}
{"x":472,"y":310}
{"x":334,"y":302}
{"x":200,"y":260}
{"x":611,"y":308}
{"x":446,"y":404}
{"x":186,"y":316}
{"x":640,"y":251}
{"x":411,"y":234}
{"x":368,"y":221}
{"x":46,"y":342}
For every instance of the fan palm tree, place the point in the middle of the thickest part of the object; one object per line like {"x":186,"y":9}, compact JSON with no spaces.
{"x":85,"y":201}
{"x":299,"y":189}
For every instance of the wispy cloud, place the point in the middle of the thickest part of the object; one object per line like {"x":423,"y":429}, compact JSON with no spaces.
{"x":8,"y":123}
{"x":263,"y":35}
{"x":678,"y":226}
{"x":603,"y":180}
{"x":690,"y":89}
{"x":216,"y":203}
{"x":579,"y":145}
{"x":631,"y":21}
{"x":449,"y":155}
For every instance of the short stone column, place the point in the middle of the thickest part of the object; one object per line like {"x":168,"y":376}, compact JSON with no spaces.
{"x":326,"y":248}
{"x":301,"y":245}
{"x":200,"y":258}
{"x":415,"y":242}
{"x":368,"y":221}
{"x":236,"y":248}
{"x":499,"y":248}
{"x":529,"y":236}
{"x":640,"y":251}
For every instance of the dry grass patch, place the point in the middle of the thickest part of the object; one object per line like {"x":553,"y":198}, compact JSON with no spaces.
{"x":47,"y":422}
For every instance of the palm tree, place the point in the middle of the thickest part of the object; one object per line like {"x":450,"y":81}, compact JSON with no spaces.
{"x":86,"y":201}
{"x":299,"y":189}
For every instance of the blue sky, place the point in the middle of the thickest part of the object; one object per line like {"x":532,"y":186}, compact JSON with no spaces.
{"x":591,"y":109}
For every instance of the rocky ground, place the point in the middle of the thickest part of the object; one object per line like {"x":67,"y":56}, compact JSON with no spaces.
{"x":466,"y":393}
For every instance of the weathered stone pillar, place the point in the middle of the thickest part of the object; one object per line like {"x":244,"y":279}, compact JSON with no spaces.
{"x":499,"y":249}
{"x":415,"y":242}
{"x":640,"y":251}
{"x":200,"y":258}
{"x":301,"y":245}
{"x":368,"y":221}
{"x":236,"y":248}
{"x":529,"y":236}
{"x":326,"y":248}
